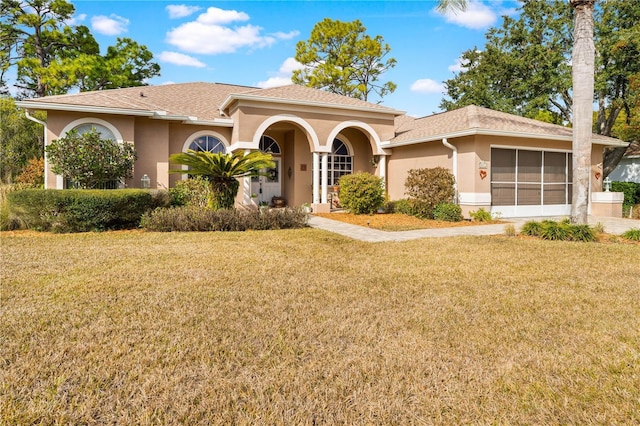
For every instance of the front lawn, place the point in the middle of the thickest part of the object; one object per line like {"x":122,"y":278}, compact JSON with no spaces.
{"x":304,"y":327}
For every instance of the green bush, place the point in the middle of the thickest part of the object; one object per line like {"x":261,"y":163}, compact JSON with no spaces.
{"x":631,"y":192}
{"x":632,"y":234}
{"x":402,"y":206}
{"x":480,"y":215}
{"x":190,"y":192}
{"x":532,"y":228}
{"x":559,"y":231}
{"x":427,"y":188}
{"x":192,"y":218}
{"x":79,"y":210}
{"x":447,"y":212}
{"x":361,"y":193}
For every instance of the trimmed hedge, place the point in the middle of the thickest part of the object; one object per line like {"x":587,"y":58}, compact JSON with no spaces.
{"x":195,"y":219}
{"x":78,"y":210}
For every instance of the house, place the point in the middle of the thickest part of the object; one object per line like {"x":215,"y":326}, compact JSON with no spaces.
{"x":504,"y":163}
{"x":628,"y":169}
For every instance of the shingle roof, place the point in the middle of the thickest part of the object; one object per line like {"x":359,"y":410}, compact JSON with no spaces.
{"x":479,"y":119}
{"x":199,"y":100}
{"x":296,"y":92}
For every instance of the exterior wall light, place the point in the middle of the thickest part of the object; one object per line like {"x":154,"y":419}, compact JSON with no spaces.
{"x":145,"y":182}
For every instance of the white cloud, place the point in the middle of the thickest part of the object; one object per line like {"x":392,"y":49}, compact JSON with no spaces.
{"x":477,"y":16}
{"x":286,"y":36}
{"x":180,"y":59}
{"x":274,"y":82}
{"x":215,"y":16}
{"x":181,"y":10}
{"x":283,"y":76}
{"x":109,"y":25}
{"x":210,"y":33}
{"x":427,"y":85}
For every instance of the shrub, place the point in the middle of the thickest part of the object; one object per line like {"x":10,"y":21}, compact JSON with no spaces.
{"x":191,"y":218}
{"x":631,"y":192}
{"x":429,"y":187}
{"x":79,"y":210}
{"x":632,"y":234}
{"x":447,"y":212}
{"x":510,"y":230}
{"x":559,"y":231}
{"x":402,"y":206}
{"x":90,"y":161}
{"x":532,"y":228}
{"x":361,"y":193}
{"x":480,"y":215}
{"x":33,"y":174}
{"x":190,"y":192}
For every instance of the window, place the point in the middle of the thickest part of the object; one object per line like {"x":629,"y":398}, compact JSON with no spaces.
{"x":207,"y":143}
{"x":340,"y":162}
{"x":526,"y":178}
{"x":269,"y":145}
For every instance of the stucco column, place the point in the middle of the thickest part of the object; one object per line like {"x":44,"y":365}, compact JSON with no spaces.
{"x":316,"y":178}
{"x":324,"y":177}
{"x":382,"y":164}
{"x":246,"y":186}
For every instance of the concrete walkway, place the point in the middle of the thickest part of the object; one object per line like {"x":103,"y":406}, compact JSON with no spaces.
{"x":611,"y":225}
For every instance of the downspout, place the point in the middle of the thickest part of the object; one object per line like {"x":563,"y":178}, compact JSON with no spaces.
{"x":44,"y":124}
{"x":454,"y":166}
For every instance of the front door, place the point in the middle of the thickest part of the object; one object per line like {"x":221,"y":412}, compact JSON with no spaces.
{"x":266,"y":187}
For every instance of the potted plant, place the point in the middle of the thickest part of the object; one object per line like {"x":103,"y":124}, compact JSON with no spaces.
{"x":278,"y":201}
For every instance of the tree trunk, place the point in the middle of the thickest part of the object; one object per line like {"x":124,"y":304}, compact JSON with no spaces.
{"x":583,"y":58}
{"x":223,"y":193}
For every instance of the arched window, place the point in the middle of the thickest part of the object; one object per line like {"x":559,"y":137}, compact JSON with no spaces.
{"x":102,"y":130}
{"x":269,"y":145}
{"x":207,"y":143}
{"x":340,"y":161}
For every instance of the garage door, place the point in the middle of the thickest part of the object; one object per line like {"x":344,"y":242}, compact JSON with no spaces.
{"x":530,"y":183}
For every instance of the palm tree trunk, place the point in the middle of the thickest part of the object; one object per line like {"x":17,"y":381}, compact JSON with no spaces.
{"x":583,"y":59}
{"x":223,"y":193}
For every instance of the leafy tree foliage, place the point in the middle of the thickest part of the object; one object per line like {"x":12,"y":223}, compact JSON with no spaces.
{"x":52,"y":57}
{"x":90,"y":161}
{"x":340,"y":58}
{"x":20,"y":140}
{"x":222,"y":170}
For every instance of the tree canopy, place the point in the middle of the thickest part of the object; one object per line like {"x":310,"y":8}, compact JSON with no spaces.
{"x":51,"y":57}
{"x":341,"y":58}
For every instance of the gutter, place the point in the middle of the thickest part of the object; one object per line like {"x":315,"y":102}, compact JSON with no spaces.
{"x":454,"y":159}
{"x":44,"y":124}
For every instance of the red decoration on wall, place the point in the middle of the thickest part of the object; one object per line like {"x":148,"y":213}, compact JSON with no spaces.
{"x":598,"y":175}
{"x":483,"y":174}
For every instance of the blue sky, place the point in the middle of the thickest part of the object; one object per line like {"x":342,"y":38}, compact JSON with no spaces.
{"x":253,"y":42}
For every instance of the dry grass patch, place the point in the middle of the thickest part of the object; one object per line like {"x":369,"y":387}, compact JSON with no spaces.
{"x":303,"y":327}
{"x":397,"y":221}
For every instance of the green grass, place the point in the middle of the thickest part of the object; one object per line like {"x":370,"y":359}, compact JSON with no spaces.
{"x":303,"y":327}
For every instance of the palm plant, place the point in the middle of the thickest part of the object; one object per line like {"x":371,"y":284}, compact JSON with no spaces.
{"x":222,"y":170}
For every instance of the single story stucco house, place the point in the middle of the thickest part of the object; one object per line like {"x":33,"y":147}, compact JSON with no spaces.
{"x":505,"y":163}
{"x":628,"y":169}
